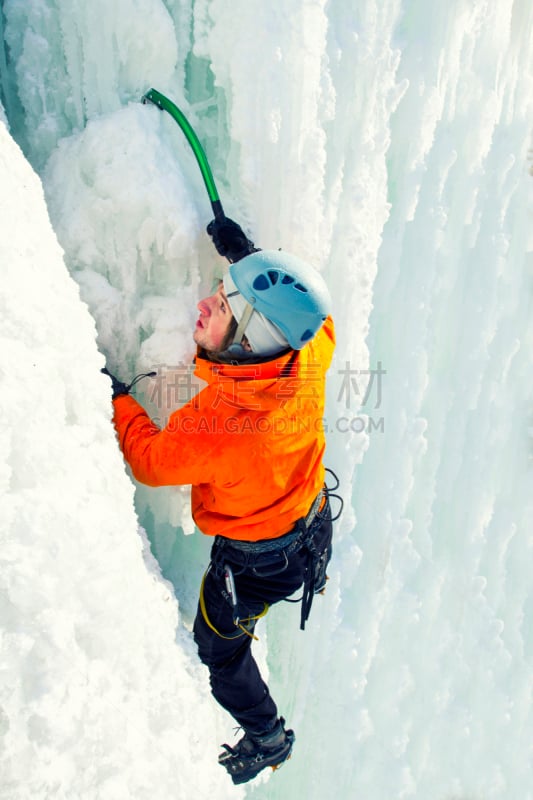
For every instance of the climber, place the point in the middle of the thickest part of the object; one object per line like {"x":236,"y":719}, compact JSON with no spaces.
{"x":252,"y":448}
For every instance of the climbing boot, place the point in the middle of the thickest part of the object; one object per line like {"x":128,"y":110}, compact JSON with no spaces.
{"x":253,"y":753}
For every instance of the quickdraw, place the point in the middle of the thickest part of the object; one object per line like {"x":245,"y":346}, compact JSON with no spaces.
{"x":239,"y":623}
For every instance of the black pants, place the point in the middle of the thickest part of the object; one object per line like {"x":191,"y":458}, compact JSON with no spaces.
{"x":260,"y":578}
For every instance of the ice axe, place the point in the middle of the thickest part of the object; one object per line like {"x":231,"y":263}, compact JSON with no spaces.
{"x":228,"y":237}
{"x":162,"y":102}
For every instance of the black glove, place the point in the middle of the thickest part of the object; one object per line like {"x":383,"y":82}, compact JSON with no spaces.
{"x":230,"y":239}
{"x":117,"y":386}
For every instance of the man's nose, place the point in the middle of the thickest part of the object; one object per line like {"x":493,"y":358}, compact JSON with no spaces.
{"x":204,"y":306}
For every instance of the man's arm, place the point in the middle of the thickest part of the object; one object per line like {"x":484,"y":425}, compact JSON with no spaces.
{"x":184,"y":452}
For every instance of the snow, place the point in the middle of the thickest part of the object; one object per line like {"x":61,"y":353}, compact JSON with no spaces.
{"x":95,"y":668}
{"x":388,"y":144}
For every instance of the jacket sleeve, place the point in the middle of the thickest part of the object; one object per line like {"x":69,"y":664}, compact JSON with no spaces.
{"x":181,"y":453}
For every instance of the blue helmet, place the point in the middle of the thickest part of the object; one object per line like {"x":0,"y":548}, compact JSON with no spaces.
{"x":285,"y":290}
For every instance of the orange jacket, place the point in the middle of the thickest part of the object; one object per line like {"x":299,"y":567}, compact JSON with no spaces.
{"x":250,"y":443}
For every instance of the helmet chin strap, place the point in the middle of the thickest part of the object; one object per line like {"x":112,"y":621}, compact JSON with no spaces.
{"x":243,"y":324}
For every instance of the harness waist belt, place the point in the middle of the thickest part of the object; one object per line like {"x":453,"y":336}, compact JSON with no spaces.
{"x":280,"y":542}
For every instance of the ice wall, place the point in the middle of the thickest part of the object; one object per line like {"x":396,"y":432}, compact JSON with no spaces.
{"x":101,"y":692}
{"x":75,"y":60}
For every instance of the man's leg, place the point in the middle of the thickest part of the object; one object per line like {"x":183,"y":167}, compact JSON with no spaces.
{"x":235,"y":679}
{"x":236,"y":682}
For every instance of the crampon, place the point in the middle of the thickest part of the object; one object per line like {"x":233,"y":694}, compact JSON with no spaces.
{"x":253,"y":754}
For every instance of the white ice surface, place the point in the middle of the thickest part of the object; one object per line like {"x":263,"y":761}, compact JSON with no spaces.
{"x":101,"y":692}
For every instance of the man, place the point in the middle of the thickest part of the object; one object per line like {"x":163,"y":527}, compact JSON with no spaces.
{"x":251,"y":444}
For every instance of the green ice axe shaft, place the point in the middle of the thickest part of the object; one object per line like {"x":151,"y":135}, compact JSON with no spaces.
{"x":162,"y":102}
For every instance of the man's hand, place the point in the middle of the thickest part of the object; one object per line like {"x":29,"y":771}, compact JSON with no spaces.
{"x":230,"y":239}
{"x":117,"y":387}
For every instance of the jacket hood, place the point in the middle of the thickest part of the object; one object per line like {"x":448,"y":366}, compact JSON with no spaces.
{"x":248,"y":385}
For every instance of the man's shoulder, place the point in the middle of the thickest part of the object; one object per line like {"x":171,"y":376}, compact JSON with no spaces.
{"x":323,"y":345}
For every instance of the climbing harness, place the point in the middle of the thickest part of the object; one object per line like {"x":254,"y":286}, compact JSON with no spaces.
{"x":274,"y":556}
{"x":317,"y":559}
{"x":245,"y":624}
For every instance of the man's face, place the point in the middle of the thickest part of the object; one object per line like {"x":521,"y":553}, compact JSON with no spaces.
{"x":214,"y":320}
